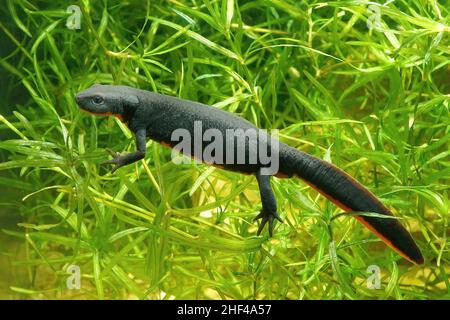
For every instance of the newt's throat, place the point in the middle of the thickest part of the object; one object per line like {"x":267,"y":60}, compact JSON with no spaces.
{"x":104,"y":114}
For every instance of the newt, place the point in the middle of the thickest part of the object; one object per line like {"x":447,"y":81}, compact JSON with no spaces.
{"x":157,"y":117}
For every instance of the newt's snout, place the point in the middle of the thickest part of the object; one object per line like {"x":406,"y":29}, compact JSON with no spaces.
{"x":93,"y":102}
{"x":82,"y":101}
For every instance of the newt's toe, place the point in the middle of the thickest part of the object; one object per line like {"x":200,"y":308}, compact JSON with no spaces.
{"x":265,"y":217}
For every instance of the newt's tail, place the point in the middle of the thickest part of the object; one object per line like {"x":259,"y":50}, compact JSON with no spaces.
{"x":350,"y":195}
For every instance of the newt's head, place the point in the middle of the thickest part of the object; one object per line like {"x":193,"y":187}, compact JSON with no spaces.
{"x":108,"y":100}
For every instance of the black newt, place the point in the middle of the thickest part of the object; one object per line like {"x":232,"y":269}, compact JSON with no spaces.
{"x":156,"y":116}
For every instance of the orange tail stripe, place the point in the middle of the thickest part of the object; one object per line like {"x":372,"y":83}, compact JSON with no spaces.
{"x":364,"y":222}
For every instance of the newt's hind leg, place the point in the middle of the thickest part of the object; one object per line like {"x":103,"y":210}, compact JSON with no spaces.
{"x":269,"y":203}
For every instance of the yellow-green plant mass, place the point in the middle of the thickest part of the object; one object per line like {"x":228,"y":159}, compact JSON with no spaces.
{"x":365,"y":86}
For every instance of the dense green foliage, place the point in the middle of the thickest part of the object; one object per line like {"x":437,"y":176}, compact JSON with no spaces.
{"x":369,"y":92}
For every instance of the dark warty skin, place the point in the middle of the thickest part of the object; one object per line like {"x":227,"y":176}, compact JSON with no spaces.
{"x":157,"y":116}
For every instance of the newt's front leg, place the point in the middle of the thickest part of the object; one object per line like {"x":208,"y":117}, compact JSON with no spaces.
{"x":129,"y":158}
{"x":269,"y":203}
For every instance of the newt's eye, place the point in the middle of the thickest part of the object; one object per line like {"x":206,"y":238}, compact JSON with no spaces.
{"x":97,"y":100}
